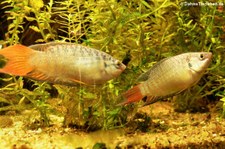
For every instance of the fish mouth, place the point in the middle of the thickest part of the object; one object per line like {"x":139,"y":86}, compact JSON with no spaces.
{"x":207,"y":59}
{"x":209,"y":55}
{"x":119,"y":71}
{"x":123,"y":67}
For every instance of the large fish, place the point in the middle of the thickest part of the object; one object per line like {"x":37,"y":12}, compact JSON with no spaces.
{"x":64,"y":63}
{"x":169,"y":76}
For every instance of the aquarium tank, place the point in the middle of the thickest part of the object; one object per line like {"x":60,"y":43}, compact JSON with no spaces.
{"x":139,"y":33}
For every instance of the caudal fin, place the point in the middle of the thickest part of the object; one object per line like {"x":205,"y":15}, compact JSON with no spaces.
{"x":132,"y":95}
{"x":15,"y":60}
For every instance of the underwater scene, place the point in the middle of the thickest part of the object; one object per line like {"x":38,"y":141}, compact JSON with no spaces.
{"x":105,"y":74}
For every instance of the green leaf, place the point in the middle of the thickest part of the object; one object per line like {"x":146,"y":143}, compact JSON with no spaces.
{"x":11,"y":26}
{"x":40,"y":40}
{"x":35,"y":28}
{"x":30,"y":18}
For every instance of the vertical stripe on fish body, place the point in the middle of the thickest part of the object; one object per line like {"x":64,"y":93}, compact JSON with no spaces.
{"x":64,"y":63}
{"x":169,"y":76}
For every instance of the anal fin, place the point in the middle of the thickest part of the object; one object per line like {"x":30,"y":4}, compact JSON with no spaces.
{"x":38,"y":75}
{"x":132,"y":95}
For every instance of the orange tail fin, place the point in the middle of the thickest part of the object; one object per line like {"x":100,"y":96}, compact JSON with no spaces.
{"x":132,"y":95}
{"x":16,"y":60}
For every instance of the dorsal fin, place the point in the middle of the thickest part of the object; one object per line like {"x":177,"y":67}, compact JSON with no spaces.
{"x":145,"y":76}
{"x":46,"y":46}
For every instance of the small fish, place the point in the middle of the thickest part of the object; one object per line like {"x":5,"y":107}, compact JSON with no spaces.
{"x":169,"y":76}
{"x":63,"y":63}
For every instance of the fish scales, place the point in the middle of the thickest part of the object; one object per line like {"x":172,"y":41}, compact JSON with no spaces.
{"x":163,"y":78}
{"x":73,"y":60}
{"x":169,"y":76}
{"x":64,"y":63}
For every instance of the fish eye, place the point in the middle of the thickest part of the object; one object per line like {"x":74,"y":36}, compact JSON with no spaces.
{"x":118,"y":64}
{"x":189,"y":64}
{"x":201,"y":56}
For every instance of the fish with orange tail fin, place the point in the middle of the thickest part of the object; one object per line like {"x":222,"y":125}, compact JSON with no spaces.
{"x":169,"y":76}
{"x":63,"y":63}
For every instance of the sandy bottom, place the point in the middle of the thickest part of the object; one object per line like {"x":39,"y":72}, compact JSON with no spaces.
{"x":174,"y":130}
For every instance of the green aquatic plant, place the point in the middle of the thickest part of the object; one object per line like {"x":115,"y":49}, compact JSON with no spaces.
{"x":39,"y":98}
{"x":20,"y":20}
{"x":223,"y":112}
{"x":43,"y":20}
{"x":201,"y":30}
{"x":16,"y":25}
{"x":17,"y":96}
